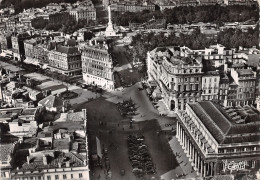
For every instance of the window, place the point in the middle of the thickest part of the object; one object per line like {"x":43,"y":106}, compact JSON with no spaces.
{"x":48,"y":177}
{"x":196,"y":87}
{"x":39,"y":177}
{"x":31,"y":178}
{"x":64,"y":176}
{"x":80,"y":175}
{"x":71,"y":176}
{"x":56,"y":176}
{"x":179,"y":87}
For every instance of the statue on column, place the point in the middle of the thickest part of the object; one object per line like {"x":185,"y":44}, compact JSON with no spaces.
{"x":110,"y":29}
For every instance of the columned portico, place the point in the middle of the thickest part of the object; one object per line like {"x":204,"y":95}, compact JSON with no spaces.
{"x":202,"y":168}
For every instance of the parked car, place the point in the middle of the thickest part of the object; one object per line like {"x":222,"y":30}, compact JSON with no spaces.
{"x":122,"y":172}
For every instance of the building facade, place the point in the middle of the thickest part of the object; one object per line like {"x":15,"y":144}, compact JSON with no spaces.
{"x":80,"y":13}
{"x":210,"y":86}
{"x":219,"y":141}
{"x":18,"y":45}
{"x":178,"y":77}
{"x":97,"y":67}
{"x":65,"y":60}
{"x":132,"y":7}
{"x":36,"y":51}
{"x":5,"y":41}
{"x":244,"y":85}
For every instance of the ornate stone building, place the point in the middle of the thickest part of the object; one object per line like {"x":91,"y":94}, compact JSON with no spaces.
{"x":243,"y":87}
{"x":97,"y":66}
{"x":65,"y":60}
{"x":177,"y":74}
{"x":219,"y":141}
{"x":82,"y":13}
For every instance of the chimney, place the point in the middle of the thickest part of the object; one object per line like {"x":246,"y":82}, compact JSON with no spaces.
{"x":67,"y":164}
{"x":44,"y":159}
{"x":59,"y":163}
{"x":28,"y":159}
{"x":84,"y":111}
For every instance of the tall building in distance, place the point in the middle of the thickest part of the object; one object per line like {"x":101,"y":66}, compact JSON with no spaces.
{"x":84,"y":13}
{"x":97,"y":65}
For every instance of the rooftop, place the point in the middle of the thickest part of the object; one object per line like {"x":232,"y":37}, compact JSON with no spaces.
{"x":9,"y":112}
{"x":5,"y":150}
{"x":53,"y":160}
{"x":173,"y":55}
{"x":242,"y":72}
{"x":51,"y":101}
{"x":223,"y":127}
{"x":29,"y":111}
{"x":67,"y":50}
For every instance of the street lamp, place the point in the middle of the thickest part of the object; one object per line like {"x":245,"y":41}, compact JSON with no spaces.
{"x":131,"y":124}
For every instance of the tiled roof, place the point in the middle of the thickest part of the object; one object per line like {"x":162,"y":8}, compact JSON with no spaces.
{"x":5,"y":150}
{"x":53,"y":161}
{"x":67,"y":50}
{"x":77,"y":116}
{"x":208,"y":122}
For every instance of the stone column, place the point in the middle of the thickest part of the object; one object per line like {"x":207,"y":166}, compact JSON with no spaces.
{"x":196,"y":159}
{"x":177,"y":130}
{"x":211,"y":168}
{"x":181,"y":136}
{"x":188,"y":149}
{"x":198,"y":165}
{"x":201,"y":167}
{"x":205,"y":169}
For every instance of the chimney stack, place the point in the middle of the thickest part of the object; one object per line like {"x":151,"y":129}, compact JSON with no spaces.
{"x":28,"y":159}
{"x":67,"y":164}
{"x":45,"y":162}
{"x":59,"y":163}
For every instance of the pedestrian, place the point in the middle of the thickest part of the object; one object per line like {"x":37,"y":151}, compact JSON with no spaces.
{"x":118,"y":125}
{"x":123,"y":129}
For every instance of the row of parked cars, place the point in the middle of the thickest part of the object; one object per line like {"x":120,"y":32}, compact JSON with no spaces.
{"x":139,"y":156}
{"x":90,"y":87}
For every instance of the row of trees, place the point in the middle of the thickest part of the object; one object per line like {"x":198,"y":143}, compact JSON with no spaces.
{"x":181,"y":15}
{"x":66,"y":25}
{"x":19,"y":5}
{"x":230,"y":38}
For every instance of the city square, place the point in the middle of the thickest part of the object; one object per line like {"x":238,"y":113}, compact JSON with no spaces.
{"x":129,"y":90}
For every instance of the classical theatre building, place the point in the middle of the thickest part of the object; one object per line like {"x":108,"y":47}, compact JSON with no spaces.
{"x":220,"y":140}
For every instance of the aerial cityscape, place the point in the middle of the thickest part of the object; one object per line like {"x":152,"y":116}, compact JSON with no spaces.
{"x":129,"y":90}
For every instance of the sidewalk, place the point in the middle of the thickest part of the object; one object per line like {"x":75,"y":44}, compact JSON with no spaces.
{"x":182,"y":159}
